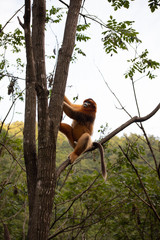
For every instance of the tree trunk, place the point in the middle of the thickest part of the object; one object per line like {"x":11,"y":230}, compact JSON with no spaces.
{"x":41,"y":170}
{"x":29,"y":142}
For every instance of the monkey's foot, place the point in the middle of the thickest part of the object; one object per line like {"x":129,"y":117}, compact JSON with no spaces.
{"x":72,"y":157}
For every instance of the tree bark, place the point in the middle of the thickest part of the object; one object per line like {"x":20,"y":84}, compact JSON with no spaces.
{"x":29,"y":142}
{"x":41,"y":169}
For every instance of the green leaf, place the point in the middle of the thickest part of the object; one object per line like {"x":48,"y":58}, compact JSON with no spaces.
{"x":118,"y":35}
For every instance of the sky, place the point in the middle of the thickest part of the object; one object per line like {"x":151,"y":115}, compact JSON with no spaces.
{"x":87,"y":74}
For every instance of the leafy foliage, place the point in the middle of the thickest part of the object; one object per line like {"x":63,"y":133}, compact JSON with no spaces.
{"x":84,"y":205}
{"x":143,"y":65}
{"x":11,"y":42}
{"x":15,"y":40}
{"x":13,"y":189}
{"x":154,"y":4}
{"x":80,"y":38}
{"x":54,"y":15}
{"x":118,"y":35}
{"x":117,"y":4}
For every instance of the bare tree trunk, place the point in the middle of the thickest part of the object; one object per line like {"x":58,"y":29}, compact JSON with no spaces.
{"x":64,"y":58}
{"x":29,"y":142}
{"x":41,"y":170}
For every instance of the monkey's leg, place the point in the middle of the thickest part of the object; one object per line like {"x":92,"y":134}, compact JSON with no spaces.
{"x":83,"y":143}
{"x":67,"y":130}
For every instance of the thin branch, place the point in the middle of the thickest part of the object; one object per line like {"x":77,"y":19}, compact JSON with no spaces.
{"x":64,"y":3}
{"x":79,"y":225}
{"x":122,"y":107}
{"x":11,"y":18}
{"x":12,"y":156}
{"x":62,"y":167}
{"x":130,"y":144}
{"x":129,"y":122}
{"x":67,"y":175}
{"x":142,"y":185}
{"x":20,"y":23}
{"x":91,"y":17}
{"x":138,"y":195}
{"x":142,"y":128}
{"x":73,"y":200}
{"x":9,"y":111}
{"x":13,"y":216}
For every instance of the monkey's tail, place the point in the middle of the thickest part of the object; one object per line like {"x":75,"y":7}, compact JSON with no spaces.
{"x":103,"y":166}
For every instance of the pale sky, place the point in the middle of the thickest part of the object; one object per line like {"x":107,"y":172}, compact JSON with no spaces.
{"x":84,"y":75}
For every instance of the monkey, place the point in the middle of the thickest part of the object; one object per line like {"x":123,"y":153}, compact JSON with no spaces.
{"x":81,"y":129}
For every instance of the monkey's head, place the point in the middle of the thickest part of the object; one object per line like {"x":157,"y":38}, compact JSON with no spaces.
{"x":90,"y":104}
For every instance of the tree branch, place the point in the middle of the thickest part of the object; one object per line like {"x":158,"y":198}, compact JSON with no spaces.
{"x":141,"y":183}
{"x":13,"y":156}
{"x":11,"y":18}
{"x":129,"y":122}
{"x":73,"y":201}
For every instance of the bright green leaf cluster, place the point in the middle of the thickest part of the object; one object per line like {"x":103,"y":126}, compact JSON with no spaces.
{"x":118,"y":35}
{"x":15,"y":40}
{"x":117,"y":4}
{"x":54,"y":12}
{"x":142,"y":64}
{"x":80,"y":37}
{"x":82,"y":27}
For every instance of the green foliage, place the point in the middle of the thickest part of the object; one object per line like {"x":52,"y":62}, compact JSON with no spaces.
{"x":15,"y":40}
{"x":84,"y":205}
{"x":103,"y":130}
{"x":153,"y":4}
{"x":54,"y":15}
{"x":80,"y":37}
{"x":118,"y":35}
{"x":142,"y":64}
{"x":11,"y":42}
{"x":117,"y":4}
{"x":83,"y":27}
{"x":13,"y":189}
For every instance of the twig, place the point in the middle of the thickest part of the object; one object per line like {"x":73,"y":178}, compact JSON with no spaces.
{"x":91,"y":17}
{"x":20,"y":23}
{"x":73,"y":200}
{"x":9,"y":111}
{"x":113,"y":93}
{"x":138,"y":195}
{"x":142,"y":128}
{"x":142,"y":185}
{"x":12,"y":156}
{"x":11,"y":18}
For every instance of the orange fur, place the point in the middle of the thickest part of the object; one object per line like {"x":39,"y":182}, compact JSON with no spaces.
{"x":79,"y":133}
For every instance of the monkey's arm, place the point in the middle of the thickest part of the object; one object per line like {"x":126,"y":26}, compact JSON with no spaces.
{"x":66,"y":100}
{"x":69,"y":110}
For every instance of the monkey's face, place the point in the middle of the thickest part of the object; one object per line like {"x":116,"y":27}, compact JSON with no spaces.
{"x":90,"y":104}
